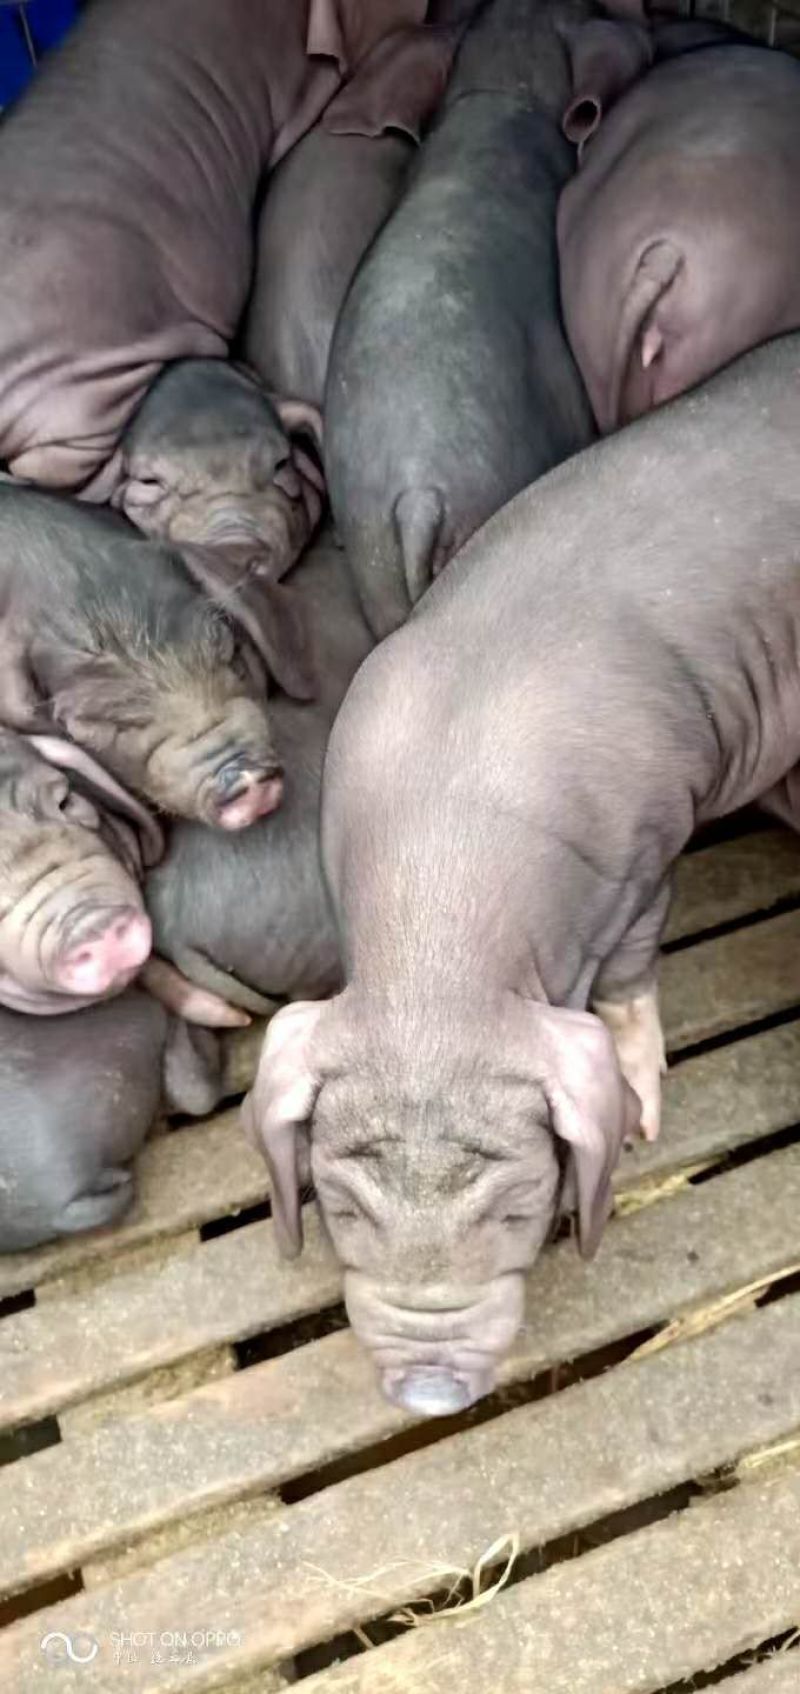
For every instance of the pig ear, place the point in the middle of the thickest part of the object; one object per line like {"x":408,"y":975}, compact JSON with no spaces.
{"x":607,"y":56}
{"x":299,"y":417}
{"x":237,"y":579}
{"x":592,"y":1109}
{"x":278,"y":1109}
{"x":104,"y":788}
{"x":397,"y":87}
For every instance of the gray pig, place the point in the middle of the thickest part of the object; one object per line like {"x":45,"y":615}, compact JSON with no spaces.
{"x":680,"y":236}
{"x":128,"y":177}
{"x":610,"y":663}
{"x":247,"y":919}
{"x":113,"y":639}
{"x":324,"y":205}
{"x":77,"y":1098}
{"x":451,"y":385}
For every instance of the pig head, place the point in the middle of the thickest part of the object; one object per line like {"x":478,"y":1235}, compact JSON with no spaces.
{"x":677,"y":242}
{"x":153,"y":658}
{"x":440,"y":1164}
{"x":72,"y":844}
{"x":210,"y":458}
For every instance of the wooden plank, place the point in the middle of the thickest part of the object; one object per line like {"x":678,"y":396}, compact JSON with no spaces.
{"x":648,"y":1611}
{"x":294,"y":1413}
{"x":736,"y":979}
{"x":778,"y":1675}
{"x":539,"y":1472}
{"x":726,"y":883}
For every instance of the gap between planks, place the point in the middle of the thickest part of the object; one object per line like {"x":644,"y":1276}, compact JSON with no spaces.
{"x":364,"y":1546}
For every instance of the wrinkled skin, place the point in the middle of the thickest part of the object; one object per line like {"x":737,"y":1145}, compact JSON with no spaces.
{"x":248,"y":918}
{"x":679,"y":240}
{"x":484,"y":886}
{"x":113,"y":640}
{"x":72,"y":922}
{"x":325,"y":203}
{"x":207,"y":459}
{"x":451,"y":385}
{"x":130,"y":171}
{"x":77,"y":1098}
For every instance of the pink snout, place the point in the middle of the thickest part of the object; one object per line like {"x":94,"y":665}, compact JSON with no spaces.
{"x":108,"y":953}
{"x":244,"y":796}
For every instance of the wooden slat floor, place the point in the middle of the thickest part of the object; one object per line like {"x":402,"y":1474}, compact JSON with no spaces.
{"x":192,"y":1445}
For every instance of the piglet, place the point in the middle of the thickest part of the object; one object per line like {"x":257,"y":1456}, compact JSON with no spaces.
{"x":128,"y":178}
{"x":152,"y":658}
{"x":451,"y":385}
{"x":679,"y":238}
{"x":611,"y":662}
{"x":247,"y":919}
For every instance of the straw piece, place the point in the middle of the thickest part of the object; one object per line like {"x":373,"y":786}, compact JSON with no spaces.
{"x":698,"y":1322}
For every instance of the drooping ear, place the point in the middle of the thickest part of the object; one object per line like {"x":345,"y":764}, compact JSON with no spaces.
{"x":607,"y":56}
{"x":398,"y":86}
{"x":278,"y":1108}
{"x":57,"y":750}
{"x":299,"y":417}
{"x":592,"y":1108}
{"x":238,"y":579}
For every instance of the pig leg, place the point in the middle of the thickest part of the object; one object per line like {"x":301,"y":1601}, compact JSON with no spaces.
{"x":625,"y":998}
{"x":192,"y":1073}
{"x":195,"y":1005}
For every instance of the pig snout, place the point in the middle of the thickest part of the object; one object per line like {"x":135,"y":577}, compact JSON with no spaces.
{"x":242,"y":794}
{"x":436,"y":1351}
{"x":99,"y":949}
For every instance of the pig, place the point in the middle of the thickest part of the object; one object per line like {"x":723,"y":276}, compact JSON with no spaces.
{"x":77,"y":1098}
{"x":609,"y":663}
{"x":115,"y":641}
{"x":247,"y":919}
{"x":72,"y":921}
{"x":325,"y":203}
{"x":451,"y":385}
{"x":679,"y":238}
{"x":129,"y":172}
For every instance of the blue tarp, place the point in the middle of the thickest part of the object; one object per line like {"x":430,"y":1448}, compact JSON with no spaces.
{"x":47,"y":21}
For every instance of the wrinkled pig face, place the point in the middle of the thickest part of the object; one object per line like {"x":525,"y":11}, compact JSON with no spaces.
{"x":436,"y":1208}
{"x":208,"y":460}
{"x":72,"y":921}
{"x":437,"y":1147}
{"x":177,"y":713}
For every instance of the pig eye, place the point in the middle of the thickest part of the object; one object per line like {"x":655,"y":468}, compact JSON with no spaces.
{"x":78,"y":810}
{"x":223,"y":642}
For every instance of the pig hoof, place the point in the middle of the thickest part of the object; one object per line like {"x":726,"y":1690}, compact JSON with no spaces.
{"x":252,"y":797}
{"x":110,"y":1202}
{"x":635,"y":1026}
{"x":107,"y":955}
